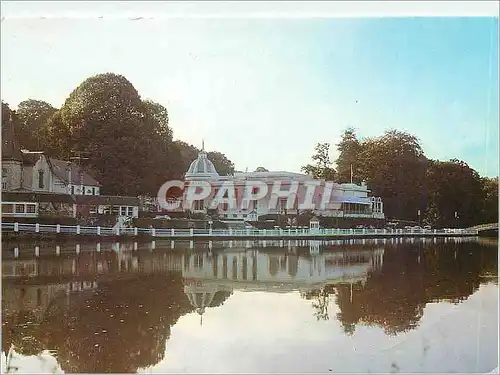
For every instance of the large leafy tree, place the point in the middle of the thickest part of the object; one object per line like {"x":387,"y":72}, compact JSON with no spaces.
{"x":322,"y":167}
{"x":394,"y":166}
{"x":33,"y":117}
{"x":490,"y":208}
{"x":222,"y":164}
{"x":349,"y":149}
{"x":186,"y":154}
{"x":125,"y":139}
{"x":456,"y":194}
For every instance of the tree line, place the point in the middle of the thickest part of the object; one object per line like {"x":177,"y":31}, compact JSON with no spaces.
{"x":130,"y":149}
{"x":127,"y":141}
{"x":411,"y":185}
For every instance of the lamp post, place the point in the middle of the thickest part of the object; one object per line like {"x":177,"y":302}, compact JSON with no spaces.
{"x":419,"y":221}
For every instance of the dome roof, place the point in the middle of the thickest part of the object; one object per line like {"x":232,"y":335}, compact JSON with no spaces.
{"x":202,"y":167}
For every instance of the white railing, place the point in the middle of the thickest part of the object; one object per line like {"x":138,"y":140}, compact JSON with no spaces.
{"x":289,"y":232}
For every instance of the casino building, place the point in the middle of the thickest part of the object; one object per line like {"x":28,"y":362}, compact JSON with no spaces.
{"x":347,"y":201}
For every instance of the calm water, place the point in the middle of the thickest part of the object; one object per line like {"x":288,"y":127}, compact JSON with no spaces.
{"x":398,"y":306}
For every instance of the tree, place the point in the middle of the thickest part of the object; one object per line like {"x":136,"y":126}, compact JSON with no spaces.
{"x":456,"y":194}
{"x":394,"y":167}
{"x":158,"y":115}
{"x":10,"y":126}
{"x":490,"y":192}
{"x":186,"y":153}
{"x":33,"y":117}
{"x":261,"y":169}
{"x":322,"y":168}
{"x":222,"y":164}
{"x":126,"y":140}
{"x":349,"y":156}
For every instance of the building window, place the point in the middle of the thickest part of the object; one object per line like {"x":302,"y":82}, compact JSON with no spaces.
{"x":282,"y":204}
{"x":123,"y":211}
{"x":7,"y":208}
{"x":40,"y":179}
{"x":30,"y":208}
{"x":130,"y":211}
{"x":19,"y":208}
{"x":72,"y":190}
{"x":93,"y":209}
{"x":93,"y":191}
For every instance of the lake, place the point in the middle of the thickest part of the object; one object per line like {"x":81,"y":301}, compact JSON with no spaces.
{"x":400,"y":305}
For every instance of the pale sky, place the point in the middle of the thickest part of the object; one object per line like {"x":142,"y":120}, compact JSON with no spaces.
{"x":264,"y":90}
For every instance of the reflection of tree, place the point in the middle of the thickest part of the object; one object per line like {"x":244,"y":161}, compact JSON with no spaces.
{"x":348,"y":316}
{"x":19,"y":329}
{"x":124,"y":325}
{"x":320,"y":304}
{"x":219,"y":298}
{"x":395,"y":297}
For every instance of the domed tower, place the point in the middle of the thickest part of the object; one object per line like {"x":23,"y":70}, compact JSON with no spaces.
{"x":202,"y":168}
{"x":200,"y":301}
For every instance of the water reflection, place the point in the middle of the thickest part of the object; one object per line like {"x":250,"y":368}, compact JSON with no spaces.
{"x":112,"y":310}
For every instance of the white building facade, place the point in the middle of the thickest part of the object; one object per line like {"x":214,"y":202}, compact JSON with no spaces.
{"x":345,"y":200}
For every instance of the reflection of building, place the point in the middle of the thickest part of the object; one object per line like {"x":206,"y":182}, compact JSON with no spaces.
{"x":206,"y":274}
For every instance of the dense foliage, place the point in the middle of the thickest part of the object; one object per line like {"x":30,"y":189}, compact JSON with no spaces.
{"x":127,"y":142}
{"x":412,"y":187}
{"x":128,"y":146}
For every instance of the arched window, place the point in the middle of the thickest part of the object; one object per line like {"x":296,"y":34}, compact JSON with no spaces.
{"x":40,"y":179}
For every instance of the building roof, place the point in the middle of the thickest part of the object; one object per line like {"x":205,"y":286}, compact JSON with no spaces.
{"x":271,"y":175}
{"x":106,"y":200}
{"x":31,"y":196}
{"x":60,"y":169}
{"x":202,"y":168}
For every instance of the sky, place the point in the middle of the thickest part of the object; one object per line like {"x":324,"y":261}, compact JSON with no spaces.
{"x":265,"y":90}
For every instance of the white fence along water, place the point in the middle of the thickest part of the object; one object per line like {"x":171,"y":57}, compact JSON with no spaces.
{"x":190,"y":233}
